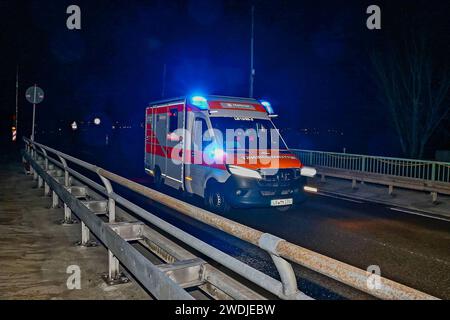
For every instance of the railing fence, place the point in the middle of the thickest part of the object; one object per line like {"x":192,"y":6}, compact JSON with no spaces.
{"x":397,"y":167}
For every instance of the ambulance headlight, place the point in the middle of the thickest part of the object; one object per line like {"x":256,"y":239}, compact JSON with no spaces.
{"x":308,"y":172}
{"x":244,"y":172}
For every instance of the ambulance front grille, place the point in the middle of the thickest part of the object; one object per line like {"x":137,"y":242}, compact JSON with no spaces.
{"x":276,"y":178}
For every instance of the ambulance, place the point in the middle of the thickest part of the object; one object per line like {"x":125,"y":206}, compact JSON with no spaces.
{"x":225,"y":150}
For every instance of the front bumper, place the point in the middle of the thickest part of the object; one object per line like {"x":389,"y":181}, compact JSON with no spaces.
{"x":242,"y":192}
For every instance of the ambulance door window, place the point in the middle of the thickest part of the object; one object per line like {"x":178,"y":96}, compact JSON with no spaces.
{"x":200,"y":126}
{"x":173,"y":120}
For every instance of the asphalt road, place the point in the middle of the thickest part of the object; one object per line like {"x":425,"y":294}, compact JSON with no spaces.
{"x":413,"y":250}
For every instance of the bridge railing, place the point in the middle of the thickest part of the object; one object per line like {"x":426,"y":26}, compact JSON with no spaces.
{"x":282,"y":252}
{"x":421,"y":175}
{"x":397,"y":167}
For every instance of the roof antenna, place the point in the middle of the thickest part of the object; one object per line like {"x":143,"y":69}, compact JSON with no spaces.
{"x":252,"y":40}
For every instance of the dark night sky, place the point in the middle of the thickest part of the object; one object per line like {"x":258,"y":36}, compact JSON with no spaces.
{"x":311,"y":58}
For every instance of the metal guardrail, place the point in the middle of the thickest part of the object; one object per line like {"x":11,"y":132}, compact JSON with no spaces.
{"x":396,"y":167}
{"x":280,"y":250}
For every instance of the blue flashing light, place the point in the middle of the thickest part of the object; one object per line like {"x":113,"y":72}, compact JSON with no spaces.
{"x":218,"y":153}
{"x":267,"y":106}
{"x":200,"y":102}
{"x":215,"y":153}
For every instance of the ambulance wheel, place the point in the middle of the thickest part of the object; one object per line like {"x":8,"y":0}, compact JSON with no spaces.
{"x":158,"y":179}
{"x":215,"y":199}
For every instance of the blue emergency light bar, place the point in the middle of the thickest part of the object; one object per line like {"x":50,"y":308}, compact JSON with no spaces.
{"x":267,"y":106}
{"x":200,"y":102}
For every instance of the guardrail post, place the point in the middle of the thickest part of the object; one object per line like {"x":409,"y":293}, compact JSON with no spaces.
{"x":40,"y":182}
{"x":46,"y":186}
{"x":113,"y":270}
{"x":391,"y":189}
{"x":85,"y":237}
{"x":66,"y":172}
{"x":114,"y":275}
{"x":33,"y":156}
{"x":433,"y":172}
{"x":111,"y":201}
{"x":269,"y":243}
{"x":28,"y":150}
{"x":27,"y":172}
{"x":67,"y":212}
{"x":67,"y":216}
{"x":55,"y":200}
{"x":46,"y":189}
{"x":434,"y":196}
{"x":32,"y":151}
{"x":35,"y":175}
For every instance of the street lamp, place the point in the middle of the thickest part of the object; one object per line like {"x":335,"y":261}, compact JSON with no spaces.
{"x":97,"y":121}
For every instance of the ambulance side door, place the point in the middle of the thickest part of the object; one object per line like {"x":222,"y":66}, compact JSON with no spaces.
{"x":175,"y":143}
{"x":196,"y":170}
{"x":159,"y":142}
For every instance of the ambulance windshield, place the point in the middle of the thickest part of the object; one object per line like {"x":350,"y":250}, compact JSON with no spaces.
{"x":248,"y":133}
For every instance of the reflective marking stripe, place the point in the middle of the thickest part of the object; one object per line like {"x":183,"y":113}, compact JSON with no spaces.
{"x":171,"y":178}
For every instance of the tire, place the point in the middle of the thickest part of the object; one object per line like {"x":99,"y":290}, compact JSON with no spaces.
{"x":215,"y":199}
{"x":158,"y":179}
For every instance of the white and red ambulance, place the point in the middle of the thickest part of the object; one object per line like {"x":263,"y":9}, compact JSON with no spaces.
{"x":223,"y":149}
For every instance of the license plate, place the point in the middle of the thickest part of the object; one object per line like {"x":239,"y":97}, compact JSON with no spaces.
{"x":281,"y":202}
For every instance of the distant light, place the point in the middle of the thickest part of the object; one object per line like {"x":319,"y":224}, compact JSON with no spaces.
{"x":97,"y":121}
{"x":74,"y":126}
{"x":200,"y":102}
{"x":267,"y":106}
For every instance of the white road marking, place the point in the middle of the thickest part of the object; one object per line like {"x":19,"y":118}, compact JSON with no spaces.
{"x":394,"y":247}
{"x":419,"y":214}
{"x":336,"y":197}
